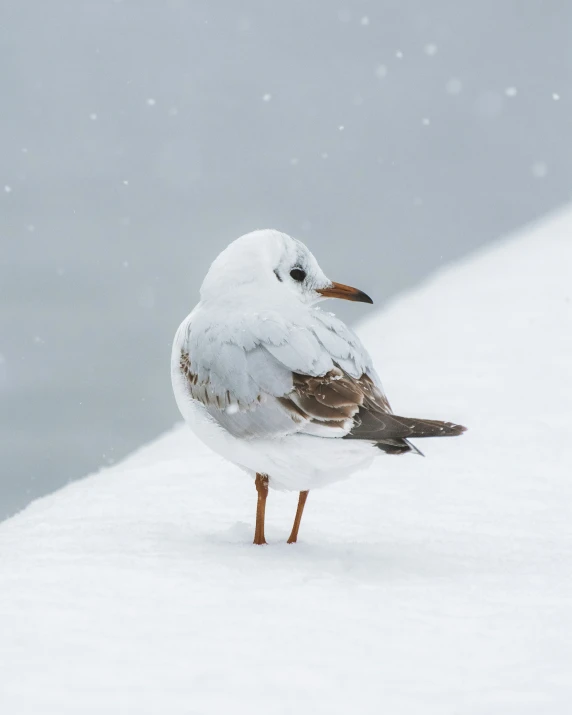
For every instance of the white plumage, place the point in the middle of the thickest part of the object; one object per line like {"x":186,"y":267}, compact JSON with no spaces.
{"x":274,"y":384}
{"x":248,"y":335}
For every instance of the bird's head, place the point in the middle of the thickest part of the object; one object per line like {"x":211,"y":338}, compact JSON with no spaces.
{"x":268,"y":264}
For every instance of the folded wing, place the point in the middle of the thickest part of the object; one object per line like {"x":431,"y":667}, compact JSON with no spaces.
{"x":266,"y":378}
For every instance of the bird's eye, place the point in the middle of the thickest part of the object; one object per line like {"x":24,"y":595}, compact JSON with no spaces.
{"x":298,"y":274}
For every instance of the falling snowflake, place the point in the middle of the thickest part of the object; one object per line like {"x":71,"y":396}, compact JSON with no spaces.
{"x":454,"y":86}
{"x":431,"y":49}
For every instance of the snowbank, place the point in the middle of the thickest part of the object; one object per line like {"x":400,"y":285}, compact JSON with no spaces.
{"x":438,"y":585}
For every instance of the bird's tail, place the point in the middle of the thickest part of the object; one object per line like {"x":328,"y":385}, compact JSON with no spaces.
{"x":429,"y":428}
{"x":399,"y":430}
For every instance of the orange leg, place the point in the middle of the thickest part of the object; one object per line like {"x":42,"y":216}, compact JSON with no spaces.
{"x":298,"y":518}
{"x":261,"y":483}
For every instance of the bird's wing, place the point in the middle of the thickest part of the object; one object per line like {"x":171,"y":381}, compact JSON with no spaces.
{"x":265,"y":375}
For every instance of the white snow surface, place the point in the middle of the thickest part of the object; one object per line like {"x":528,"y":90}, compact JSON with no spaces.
{"x":432,"y":586}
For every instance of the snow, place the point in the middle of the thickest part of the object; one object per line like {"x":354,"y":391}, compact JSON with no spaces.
{"x":424,"y":586}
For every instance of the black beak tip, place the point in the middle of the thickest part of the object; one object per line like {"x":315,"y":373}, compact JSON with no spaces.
{"x":364,"y":298}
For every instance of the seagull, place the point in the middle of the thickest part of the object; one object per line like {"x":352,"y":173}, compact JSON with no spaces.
{"x":277,"y":386}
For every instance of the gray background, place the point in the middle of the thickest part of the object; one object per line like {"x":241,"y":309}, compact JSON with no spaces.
{"x":138,"y":138}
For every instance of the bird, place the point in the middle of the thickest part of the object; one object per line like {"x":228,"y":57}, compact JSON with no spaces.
{"x":276,"y":385}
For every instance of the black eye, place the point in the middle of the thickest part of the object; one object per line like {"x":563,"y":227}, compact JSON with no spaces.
{"x":298,"y":274}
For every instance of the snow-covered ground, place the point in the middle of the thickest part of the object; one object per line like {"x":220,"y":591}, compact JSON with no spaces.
{"x":439,"y":585}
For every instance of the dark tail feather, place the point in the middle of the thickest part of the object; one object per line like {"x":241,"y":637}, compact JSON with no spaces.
{"x":391,"y":433}
{"x":418,"y":428}
{"x":398,"y":446}
{"x":429,"y":428}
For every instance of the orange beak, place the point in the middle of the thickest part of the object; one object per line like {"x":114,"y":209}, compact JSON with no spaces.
{"x":339,"y":290}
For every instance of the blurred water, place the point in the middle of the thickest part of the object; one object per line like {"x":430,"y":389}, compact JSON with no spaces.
{"x":138,"y":138}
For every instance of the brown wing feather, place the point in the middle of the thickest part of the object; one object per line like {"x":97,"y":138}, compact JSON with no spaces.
{"x":335,"y":398}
